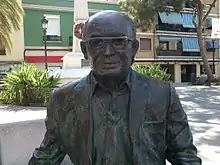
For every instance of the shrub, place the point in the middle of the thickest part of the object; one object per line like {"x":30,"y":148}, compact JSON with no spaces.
{"x":27,"y":85}
{"x":153,"y":70}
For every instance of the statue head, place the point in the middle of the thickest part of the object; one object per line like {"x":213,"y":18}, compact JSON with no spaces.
{"x":109,"y":39}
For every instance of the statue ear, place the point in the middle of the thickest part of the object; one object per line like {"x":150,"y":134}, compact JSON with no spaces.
{"x":135,"y":47}
{"x":83,"y":48}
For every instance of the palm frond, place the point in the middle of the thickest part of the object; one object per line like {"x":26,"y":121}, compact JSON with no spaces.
{"x":11,"y":15}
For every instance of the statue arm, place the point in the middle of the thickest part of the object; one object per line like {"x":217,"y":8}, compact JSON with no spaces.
{"x":50,"y":151}
{"x":180,"y":147}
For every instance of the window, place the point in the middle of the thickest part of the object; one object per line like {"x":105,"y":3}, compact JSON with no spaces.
{"x":2,"y":49}
{"x":53,"y":29}
{"x":145,"y":44}
{"x":179,"y":46}
{"x":164,"y":45}
{"x":202,"y":69}
{"x":189,"y":4}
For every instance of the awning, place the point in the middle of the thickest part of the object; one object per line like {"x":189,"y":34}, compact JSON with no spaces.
{"x":209,"y":45}
{"x":187,"y":20}
{"x":169,"y":39}
{"x":171,"y":18}
{"x":190,"y":45}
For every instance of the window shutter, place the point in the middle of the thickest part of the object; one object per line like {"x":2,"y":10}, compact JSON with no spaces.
{"x":53,"y":28}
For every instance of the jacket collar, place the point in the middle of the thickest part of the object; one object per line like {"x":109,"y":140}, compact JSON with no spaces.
{"x":92,"y":81}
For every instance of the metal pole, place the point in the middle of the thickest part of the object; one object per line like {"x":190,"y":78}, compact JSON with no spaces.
{"x":0,"y":154}
{"x":45,"y":48}
{"x":213,"y":56}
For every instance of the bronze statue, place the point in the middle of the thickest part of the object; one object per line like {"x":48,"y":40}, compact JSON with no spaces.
{"x":114,"y":116}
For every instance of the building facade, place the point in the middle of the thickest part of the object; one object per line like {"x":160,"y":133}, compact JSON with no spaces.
{"x":172,"y":42}
{"x":177,"y":47}
{"x":60,"y":14}
{"x":15,"y":56}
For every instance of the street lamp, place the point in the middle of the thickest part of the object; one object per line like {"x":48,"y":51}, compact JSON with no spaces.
{"x":44,"y":23}
{"x":213,"y":56}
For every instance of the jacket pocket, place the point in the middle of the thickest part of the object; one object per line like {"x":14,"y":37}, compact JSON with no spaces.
{"x":154,"y":134}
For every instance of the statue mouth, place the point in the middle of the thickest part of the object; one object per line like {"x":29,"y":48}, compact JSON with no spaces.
{"x":110,"y":65}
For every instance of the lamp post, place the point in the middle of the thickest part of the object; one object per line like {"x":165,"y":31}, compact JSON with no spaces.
{"x":44,"y":23}
{"x":213,"y":56}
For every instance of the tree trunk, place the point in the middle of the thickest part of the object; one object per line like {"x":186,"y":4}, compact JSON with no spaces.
{"x":208,"y":70}
{"x":201,"y":19}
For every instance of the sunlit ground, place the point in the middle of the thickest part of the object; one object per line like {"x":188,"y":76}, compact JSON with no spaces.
{"x":202,"y":105}
{"x":13,"y":114}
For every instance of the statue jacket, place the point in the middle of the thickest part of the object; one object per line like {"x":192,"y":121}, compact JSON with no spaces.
{"x":158,"y":125}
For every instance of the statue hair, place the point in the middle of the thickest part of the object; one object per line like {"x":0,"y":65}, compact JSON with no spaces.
{"x":125,"y":16}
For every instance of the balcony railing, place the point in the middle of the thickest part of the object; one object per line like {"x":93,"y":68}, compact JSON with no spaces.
{"x":169,"y":52}
{"x":176,"y":28}
{"x":176,"y":53}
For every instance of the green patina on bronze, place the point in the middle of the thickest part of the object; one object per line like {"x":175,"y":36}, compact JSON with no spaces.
{"x":115,"y":116}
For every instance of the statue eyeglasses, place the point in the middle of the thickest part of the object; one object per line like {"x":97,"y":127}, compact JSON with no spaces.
{"x":118,"y":43}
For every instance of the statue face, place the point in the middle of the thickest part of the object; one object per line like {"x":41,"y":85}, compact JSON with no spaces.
{"x":109,"y":43}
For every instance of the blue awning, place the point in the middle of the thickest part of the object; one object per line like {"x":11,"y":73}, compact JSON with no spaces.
{"x":171,"y":18}
{"x":209,"y":45}
{"x":187,"y":20}
{"x":190,"y":45}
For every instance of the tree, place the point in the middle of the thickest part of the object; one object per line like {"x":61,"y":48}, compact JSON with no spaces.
{"x":199,"y":10}
{"x":11,"y":15}
{"x":145,"y":11}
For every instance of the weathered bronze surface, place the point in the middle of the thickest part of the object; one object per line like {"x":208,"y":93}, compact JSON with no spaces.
{"x":115,"y":116}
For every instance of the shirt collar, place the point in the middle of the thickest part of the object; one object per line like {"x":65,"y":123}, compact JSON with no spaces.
{"x":93,"y":82}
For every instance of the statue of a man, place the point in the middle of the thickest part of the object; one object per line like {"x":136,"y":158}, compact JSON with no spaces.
{"x":114,"y":116}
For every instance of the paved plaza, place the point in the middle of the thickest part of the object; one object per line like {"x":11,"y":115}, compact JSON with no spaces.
{"x":202,"y":105}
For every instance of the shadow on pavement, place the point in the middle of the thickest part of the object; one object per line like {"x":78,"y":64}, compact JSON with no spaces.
{"x":202,"y":105}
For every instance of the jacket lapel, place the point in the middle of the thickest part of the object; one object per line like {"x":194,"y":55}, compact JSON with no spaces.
{"x":138,"y":104}
{"x":83,"y":115}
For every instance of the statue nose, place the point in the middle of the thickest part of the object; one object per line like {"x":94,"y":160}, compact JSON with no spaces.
{"x":109,"y":50}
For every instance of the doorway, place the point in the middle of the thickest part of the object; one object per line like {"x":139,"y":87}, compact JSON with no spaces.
{"x":186,"y":72}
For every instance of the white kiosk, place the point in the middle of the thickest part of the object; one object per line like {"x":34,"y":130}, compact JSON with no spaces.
{"x":72,"y":69}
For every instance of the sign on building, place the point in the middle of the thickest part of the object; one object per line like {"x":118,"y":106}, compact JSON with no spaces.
{"x":215,"y":28}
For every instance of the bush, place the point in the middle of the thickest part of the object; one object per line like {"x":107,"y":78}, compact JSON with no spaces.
{"x":26,"y":85}
{"x":153,"y":70}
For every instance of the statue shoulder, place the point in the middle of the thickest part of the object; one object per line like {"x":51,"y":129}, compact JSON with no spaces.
{"x":154,"y":85}
{"x":71,"y":87}
{"x":69,"y":91}
{"x":68,"y":96}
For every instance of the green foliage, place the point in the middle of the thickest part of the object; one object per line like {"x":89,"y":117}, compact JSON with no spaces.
{"x":153,"y":70}
{"x":11,"y":15}
{"x":27,"y":85}
{"x":144,"y":11}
